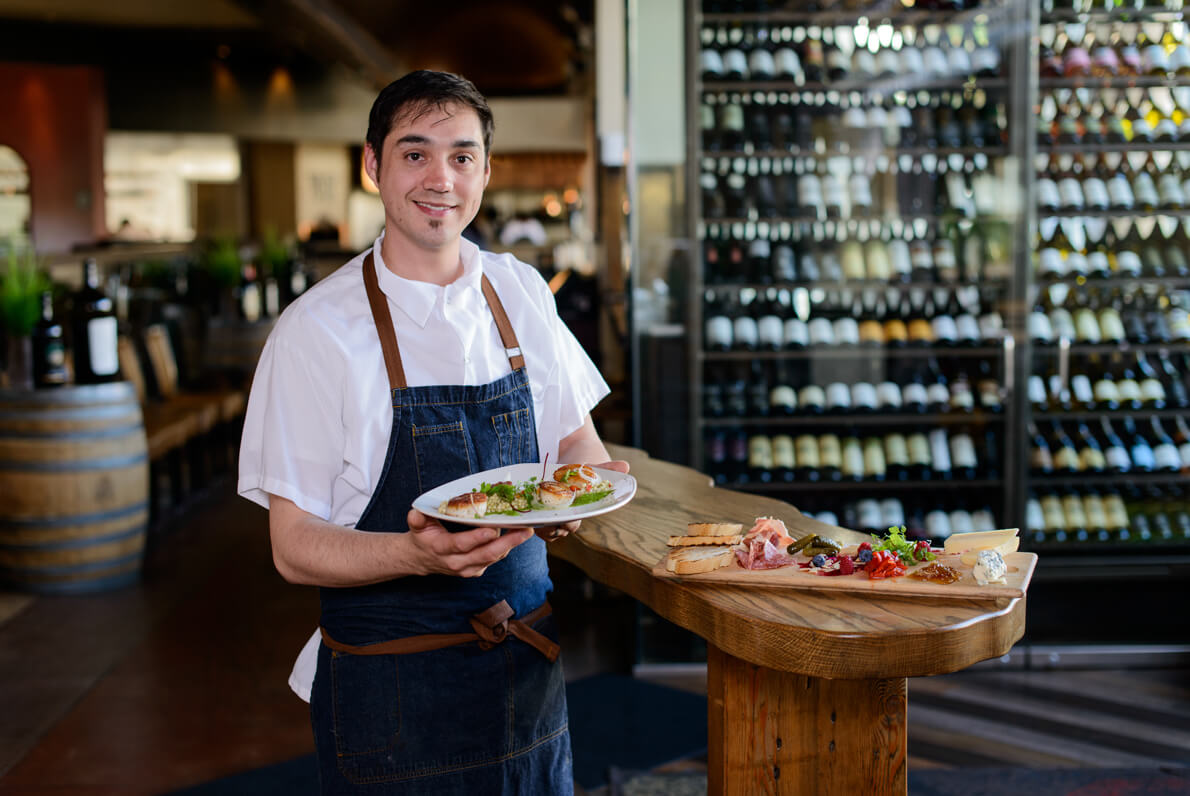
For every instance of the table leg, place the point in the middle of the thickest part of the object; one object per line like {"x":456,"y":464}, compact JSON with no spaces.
{"x":775,"y":732}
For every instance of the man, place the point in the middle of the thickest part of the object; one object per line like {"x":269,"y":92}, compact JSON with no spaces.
{"x":434,"y":669}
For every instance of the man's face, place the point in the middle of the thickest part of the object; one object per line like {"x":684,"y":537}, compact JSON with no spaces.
{"x":431,"y":174}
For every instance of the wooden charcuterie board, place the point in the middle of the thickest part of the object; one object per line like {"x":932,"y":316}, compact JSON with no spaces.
{"x":1020,"y":571}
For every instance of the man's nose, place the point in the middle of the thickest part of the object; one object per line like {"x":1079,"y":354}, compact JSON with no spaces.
{"x":438,"y":177}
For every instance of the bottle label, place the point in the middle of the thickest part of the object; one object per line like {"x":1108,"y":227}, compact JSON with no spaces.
{"x":939,"y":451}
{"x":869,"y":515}
{"x":735,"y":62}
{"x":1111,"y":326}
{"x":853,"y":458}
{"x":1034,"y":518}
{"x":821,"y":332}
{"x":1047,"y":193}
{"x":1037,"y":392}
{"x":1152,"y":391}
{"x":760,"y":453}
{"x":1129,"y":391}
{"x":1051,"y":508}
{"x":944,"y":328}
{"x":1072,"y":507}
{"x":938,"y":524}
{"x":1091,"y":460}
{"x":1128,"y":262}
{"x":807,"y":451}
{"x":888,"y":395}
{"x":1086,"y":325}
{"x":1184,"y":454}
{"x":1166,"y":457}
{"x":782,"y":397}
{"x":1117,"y":458}
{"x":812,"y":396}
{"x":962,"y":451}
{"x":1096,"y":516}
{"x":796,"y":333}
{"x":838,"y":396}
{"x":719,"y":331}
{"x":1050,"y":262}
{"x":1039,"y":327}
{"x":873,"y":457}
{"x":1071,"y":191}
{"x":1066,"y":458}
{"x":1106,"y":392}
{"x":915,"y":394}
{"x":745,"y":332}
{"x":1080,"y":386}
{"x":989,"y":394}
{"x":771,"y":331}
{"x":1115,"y":511}
{"x":967,"y":328}
{"x":830,"y":450}
{"x":1142,"y":456}
{"x":863,"y":395}
{"x":102,"y":338}
{"x":783,"y":452}
{"x":895,"y":449}
{"x":1120,"y":192}
{"x":1096,"y":193}
{"x":961,"y":398}
{"x":937,"y":395}
{"x":919,"y":449}
{"x":846,"y":331}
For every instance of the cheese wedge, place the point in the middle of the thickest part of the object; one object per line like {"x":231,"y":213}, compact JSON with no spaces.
{"x":969,"y":557}
{"x":977,"y":540}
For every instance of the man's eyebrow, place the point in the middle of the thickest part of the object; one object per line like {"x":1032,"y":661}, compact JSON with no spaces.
{"x":417,"y":140}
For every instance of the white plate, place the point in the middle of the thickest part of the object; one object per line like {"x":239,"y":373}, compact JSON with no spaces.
{"x":623,"y":488}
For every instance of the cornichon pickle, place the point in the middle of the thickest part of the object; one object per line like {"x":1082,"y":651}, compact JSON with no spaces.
{"x":825,"y":546}
{"x":798,"y":544}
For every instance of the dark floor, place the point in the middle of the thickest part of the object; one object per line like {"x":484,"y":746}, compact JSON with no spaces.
{"x":183,"y":679}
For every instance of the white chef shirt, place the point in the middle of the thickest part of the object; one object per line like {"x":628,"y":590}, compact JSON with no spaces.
{"x":319,"y":414}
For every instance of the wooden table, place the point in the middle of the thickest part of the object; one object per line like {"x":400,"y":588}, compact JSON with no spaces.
{"x":806,"y":689}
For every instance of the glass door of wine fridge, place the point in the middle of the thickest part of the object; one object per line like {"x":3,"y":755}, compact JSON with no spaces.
{"x":858,"y":179}
{"x":1108,"y":472}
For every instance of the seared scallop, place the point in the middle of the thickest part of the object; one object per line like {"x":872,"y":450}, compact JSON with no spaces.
{"x":581,"y":477}
{"x":470,"y":505}
{"x":555,"y":495}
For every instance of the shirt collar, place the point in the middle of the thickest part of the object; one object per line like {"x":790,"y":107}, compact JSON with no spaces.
{"x":417,"y":299}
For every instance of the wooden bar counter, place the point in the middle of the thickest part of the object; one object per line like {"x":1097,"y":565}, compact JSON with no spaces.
{"x":806,"y":689}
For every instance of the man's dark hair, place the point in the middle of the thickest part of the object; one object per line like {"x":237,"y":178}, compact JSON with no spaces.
{"x":418,"y":92}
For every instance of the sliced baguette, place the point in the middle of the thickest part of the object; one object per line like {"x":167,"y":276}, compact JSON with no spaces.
{"x":692,"y":541}
{"x":714,"y":529}
{"x":693,"y":560}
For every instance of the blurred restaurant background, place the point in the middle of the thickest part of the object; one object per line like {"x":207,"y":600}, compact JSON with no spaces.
{"x":894,"y":262}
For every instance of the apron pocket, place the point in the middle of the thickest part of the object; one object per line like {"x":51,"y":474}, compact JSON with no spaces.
{"x":366,"y":702}
{"x":515,"y":433}
{"x":441,"y":453}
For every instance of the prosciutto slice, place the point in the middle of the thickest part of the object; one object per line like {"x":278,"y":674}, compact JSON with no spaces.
{"x":764,"y":546}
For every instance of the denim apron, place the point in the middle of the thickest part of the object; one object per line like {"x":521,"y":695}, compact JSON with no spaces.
{"x":470,"y":718}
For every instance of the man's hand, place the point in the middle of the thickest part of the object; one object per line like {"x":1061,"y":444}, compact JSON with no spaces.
{"x":466,"y":554}
{"x":552,"y":532}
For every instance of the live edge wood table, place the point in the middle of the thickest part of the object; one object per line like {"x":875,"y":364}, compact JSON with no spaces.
{"x":806,"y":689}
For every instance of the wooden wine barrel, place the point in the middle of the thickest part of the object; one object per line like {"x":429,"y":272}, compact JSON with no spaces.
{"x":74,"y":488}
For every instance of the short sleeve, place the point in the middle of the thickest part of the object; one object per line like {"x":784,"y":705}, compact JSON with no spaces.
{"x":293,"y":437}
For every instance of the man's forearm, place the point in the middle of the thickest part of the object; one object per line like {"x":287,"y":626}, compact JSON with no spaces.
{"x":311,"y":551}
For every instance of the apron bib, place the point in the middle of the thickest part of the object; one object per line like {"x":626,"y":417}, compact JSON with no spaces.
{"x":471,"y":718}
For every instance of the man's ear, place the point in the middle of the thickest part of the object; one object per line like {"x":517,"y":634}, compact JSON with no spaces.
{"x":487,"y":171}
{"x":371,"y":166}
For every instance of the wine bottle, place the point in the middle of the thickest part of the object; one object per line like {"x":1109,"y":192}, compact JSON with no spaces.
{"x":1139,"y":449}
{"x":1041,"y":461}
{"x":718,"y":323}
{"x":896,"y":456}
{"x":964,"y":462}
{"x":919,"y":449}
{"x":1166,"y":456}
{"x":49,"y":350}
{"x":782,"y":397}
{"x":95,"y":331}
{"x":784,"y":460}
{"x":940,"y":461}
{"x":807,"y":458}
{"x":830,"y":456}
{"x":760,"y":459}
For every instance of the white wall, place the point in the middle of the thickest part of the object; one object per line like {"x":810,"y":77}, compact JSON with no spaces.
{"x":658,"y":87}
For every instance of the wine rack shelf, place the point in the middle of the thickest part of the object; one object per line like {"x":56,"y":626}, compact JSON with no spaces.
{"x":1111,"y":348}
{"x":1138,"y":81}
{"x":1177,"y":283}
{"x":858,"y":352}
{"x":1117,"y":480}
{"x":867,"y":486}
{"x":853,"y":284}
{"x":884,"y":218}
{"x":1132,"y":146}
{"x":875,"y":14}
{"x":1147,"y":14}
{"x":873,"y":419}
{"x":881,"y":86}
{"x":1137,"y":414}
{"x":1178,"y":212}
{"x":859,"y":152}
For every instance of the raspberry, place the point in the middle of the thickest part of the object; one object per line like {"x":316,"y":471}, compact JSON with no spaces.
{"x":846,"y":565}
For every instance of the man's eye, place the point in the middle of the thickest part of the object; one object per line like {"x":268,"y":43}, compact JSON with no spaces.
{"x":414,"y":156}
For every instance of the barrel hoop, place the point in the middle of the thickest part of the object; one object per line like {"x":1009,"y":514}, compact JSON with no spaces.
{"x":24,"y":523}
{"x":90,"y":566}
{"x":106,"y":463}
{"x":127,"y":577}
{"x":77,"y":394}
{"x":98,"y":433}
{"x":70,"y":544}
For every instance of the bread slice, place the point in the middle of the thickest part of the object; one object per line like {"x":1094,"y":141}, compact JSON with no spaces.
{"x":693,"y":560}
{"x":714,"y":529}
{"x":691,"y":541}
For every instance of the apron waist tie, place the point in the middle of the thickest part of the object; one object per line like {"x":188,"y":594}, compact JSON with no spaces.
{"x":492,"y":627}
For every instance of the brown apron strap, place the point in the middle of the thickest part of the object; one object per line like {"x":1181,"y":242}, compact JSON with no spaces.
{"x":492,"y":627}
{"x":507,"y":335}
{"x":384,"y":326}
{"x":388,"y":337}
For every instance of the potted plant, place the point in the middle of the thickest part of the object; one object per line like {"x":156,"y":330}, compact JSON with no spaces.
{"x":223,"y":265}
{"x":21,"y":286}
